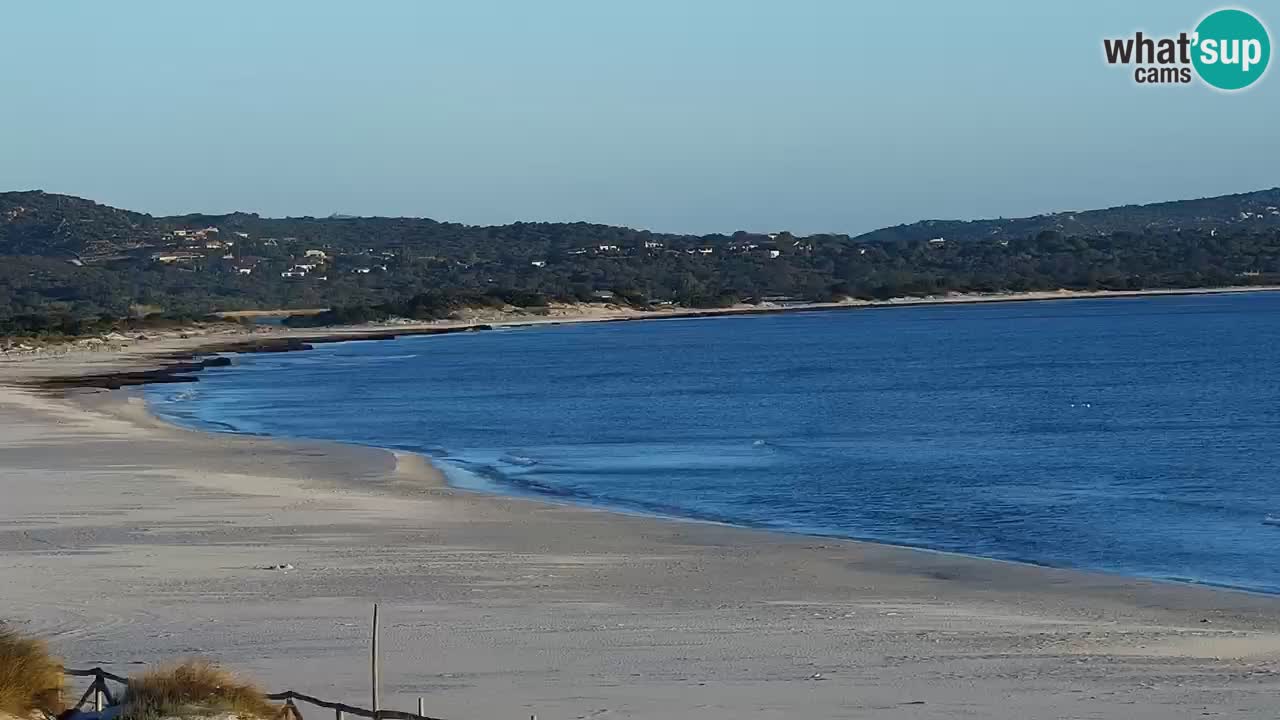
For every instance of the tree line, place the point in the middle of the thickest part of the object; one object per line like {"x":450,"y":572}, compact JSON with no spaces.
{"x":46,"y":296}
{"x":69,"y":266}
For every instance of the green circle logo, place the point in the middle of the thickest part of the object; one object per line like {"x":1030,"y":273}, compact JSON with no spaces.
{"x":1232,"y":49}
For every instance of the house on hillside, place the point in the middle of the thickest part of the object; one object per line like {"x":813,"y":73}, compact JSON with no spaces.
{"x":173,"y":257}
{"x":200,"y":234}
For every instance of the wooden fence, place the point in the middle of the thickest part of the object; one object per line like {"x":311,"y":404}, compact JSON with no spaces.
{"x":99,"y":695}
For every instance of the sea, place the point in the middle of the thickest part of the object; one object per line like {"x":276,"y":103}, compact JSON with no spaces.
{"x":1136,"y":436}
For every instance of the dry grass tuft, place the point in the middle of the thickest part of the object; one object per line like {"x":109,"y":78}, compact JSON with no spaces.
{"x":193,"y":688}
{"x":30,"y":678}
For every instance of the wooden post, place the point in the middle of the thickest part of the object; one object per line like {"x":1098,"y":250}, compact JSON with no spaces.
{"x":421,"y":707}
{"x":98,"y":683}
{"x":337,"y":714}
{"x":373,"y":659}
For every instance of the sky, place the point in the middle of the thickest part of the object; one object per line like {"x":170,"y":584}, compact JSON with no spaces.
{"x":674,"y":115}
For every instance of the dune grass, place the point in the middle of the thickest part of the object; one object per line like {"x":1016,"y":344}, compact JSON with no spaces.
{"x":193,"y":688}
{"x":30,"y":678}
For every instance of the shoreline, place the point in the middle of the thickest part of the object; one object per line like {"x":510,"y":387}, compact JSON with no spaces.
{"x":180,"y":360}
{"x":439,"y":469}
{"x":184,"y":367}
{"x":428,"y":475}
{"x":504,"y":605}
{"x":126,"y":404}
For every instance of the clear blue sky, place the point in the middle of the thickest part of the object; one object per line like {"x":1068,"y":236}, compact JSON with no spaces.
{"x":676,"y":115}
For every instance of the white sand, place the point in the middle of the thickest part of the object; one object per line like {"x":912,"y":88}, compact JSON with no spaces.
{"x":127,"y":541}
{"x":156,"y":341}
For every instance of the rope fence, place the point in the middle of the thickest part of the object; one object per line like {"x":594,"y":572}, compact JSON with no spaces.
{"x":99,"y":695}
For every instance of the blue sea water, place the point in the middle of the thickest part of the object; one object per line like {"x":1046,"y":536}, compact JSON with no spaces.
{"x":1137,"y":436}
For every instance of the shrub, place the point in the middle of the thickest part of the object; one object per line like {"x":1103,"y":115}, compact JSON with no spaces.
{"x":193,"y":688}
{"x":30,"y":679}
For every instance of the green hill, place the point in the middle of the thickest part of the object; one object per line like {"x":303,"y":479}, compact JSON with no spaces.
{"x":1252,"y":210}
{"x":68,"y":265}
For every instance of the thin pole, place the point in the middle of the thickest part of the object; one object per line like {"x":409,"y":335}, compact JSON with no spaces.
{"x":421,"y":708}
{"x":374,"y":658}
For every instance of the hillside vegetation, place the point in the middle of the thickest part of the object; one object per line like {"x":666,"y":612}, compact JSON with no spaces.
{"x":70,"y":266}
{"x":193,"y":689}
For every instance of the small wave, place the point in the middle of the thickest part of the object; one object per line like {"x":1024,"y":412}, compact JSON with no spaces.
{"x":519,"y":460}
{"x":1271,"y":520}
{"x":536,"y":487}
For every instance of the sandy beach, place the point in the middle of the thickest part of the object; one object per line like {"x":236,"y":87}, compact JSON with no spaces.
{"x":125,"y":540}
{"x":128,"y":351}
